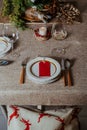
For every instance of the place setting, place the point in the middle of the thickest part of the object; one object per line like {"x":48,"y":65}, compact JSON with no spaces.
{"x":46,"y":70}
{"x":42,"y":70}
{"x":8,"y":38}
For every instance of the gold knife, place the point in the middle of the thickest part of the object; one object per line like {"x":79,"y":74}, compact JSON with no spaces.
{"x":63,"y":70}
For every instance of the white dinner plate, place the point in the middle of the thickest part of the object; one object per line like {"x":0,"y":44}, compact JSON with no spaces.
{"x":32,"y":70}
{"x":5,"y":46}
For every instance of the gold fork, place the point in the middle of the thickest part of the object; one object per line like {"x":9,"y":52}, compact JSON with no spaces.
{"x":23,"y":70}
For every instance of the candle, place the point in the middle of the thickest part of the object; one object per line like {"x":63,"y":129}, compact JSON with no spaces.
{"x":43,"y":31}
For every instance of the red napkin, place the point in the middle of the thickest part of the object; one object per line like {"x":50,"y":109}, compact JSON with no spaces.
{"x":44,"y":68}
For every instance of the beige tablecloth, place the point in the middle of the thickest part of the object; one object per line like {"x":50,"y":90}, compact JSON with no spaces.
{"x":11,"y":92}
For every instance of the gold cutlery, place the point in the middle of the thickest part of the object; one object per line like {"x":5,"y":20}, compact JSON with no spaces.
{"x":4,"y":62}
{"x":67,"y":66}
{"x":63,"y":71}
{"x":23,"y":70}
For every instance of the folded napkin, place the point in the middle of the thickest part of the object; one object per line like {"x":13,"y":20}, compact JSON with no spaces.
{"x":44,"y":68}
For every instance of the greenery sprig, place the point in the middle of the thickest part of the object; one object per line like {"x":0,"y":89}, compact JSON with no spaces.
{"x":15,"y":9}
{"x":7,"y":7}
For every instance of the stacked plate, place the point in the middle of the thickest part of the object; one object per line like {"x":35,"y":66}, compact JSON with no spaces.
{"x":43,"y":70}
{"x":5,"y":46}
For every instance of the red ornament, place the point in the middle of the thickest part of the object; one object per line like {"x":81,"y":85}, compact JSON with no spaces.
{"x":26,"y":123}
{"x":14,"y":114}
{"x":60,"y":119}
{"x":41,"y":115}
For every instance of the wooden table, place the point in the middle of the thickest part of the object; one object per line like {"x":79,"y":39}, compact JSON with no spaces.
{"x":30,"y":93}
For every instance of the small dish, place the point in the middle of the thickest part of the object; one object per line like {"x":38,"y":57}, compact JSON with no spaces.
{"x":33,"y":70}
{"x":59,"y":35}
{"x":5,"y":46}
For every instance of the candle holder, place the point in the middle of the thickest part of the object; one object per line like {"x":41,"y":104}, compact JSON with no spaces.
{"x":58,"y":32}
{"x":42,"y":33}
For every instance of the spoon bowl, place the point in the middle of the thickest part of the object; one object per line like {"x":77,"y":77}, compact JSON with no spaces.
{"x":68,"y":66}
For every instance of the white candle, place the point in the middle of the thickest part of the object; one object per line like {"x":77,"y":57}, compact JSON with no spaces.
{"x":43,"y":31}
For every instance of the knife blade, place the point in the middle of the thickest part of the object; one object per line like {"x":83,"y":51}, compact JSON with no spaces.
{"x":4,"y":62}
{"x":63,"y":71}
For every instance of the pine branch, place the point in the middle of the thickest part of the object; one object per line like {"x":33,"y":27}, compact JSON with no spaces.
{"x":7,"y":7}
